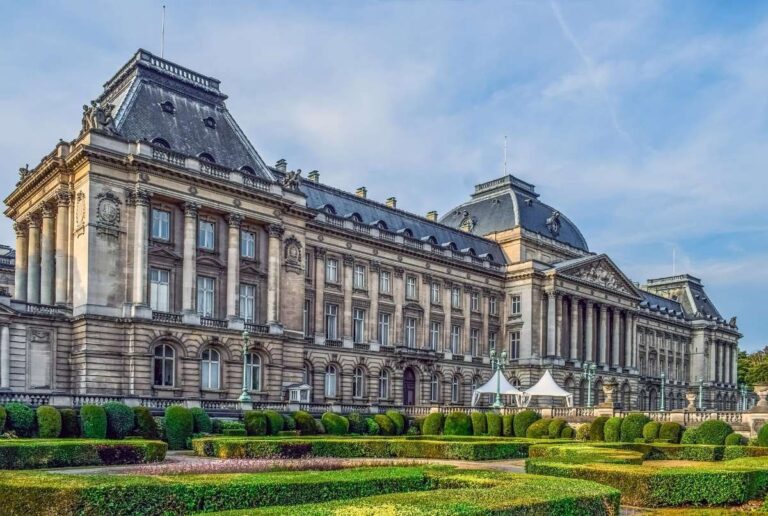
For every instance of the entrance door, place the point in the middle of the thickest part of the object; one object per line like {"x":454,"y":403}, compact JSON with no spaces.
{"x":409,"y":387}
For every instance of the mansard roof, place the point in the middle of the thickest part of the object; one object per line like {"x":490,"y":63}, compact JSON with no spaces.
{"x":689,"y":292}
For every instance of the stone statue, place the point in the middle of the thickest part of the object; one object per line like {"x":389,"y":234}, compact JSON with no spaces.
{"x":553,"y":223}
{"x":292,"y":180}
{"x":732,"y":322}
{"x":23,"y":173}
{"x":99,"y":117}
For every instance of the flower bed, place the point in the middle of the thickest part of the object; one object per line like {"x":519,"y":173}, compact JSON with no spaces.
{"x":44,"y":453}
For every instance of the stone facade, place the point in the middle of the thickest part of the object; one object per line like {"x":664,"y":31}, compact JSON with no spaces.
{"x":148,"y":244}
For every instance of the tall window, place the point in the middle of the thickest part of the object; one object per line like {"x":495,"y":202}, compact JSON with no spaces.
{"x":410,"y":332}
{"x":434,"y":293}
{"x":358,"y":325}
{"x":253,"y":371}
{"x":455,"y":389}
{"x":384,"y":319}
{"x":384,"y":384}
{"x":385,"y":283}
{"x":434,"y":335}
{"x":307,"y":267}
{"x":475,"y":301}
{"x":330,"y":381}
{"x":205,"y":296}
{"x":358,"y":279}
{"x":205,"y":235}
{"x":159,"y":291}
{"x":331,"y":321}
{"x":515,"y":305}
{"x":491,"y":340}
{"x":161,"y":224}
{"x":305,"y":317}
{"x":474,"y":341}
{"x":434,"y":388}
{"x":211,"y":369}
{"x":455,"y":338}
{"x":332,"y":270}
{"x":247,"y":244}
{"x":514,"y":344}
{"x":410,"y":287}
{"x":248,"y":302}
{"x":456,"y":297}
{"x":493,"y":306}
{"x":358,"y":383}
{"x":164,"y":365}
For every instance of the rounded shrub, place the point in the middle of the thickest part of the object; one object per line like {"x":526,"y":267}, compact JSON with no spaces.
{"x":612,"y":429}
{"x":458,"y":423}
{"x":255,"y":422}
{"x":582,"y":432}
{"x":356,"y":423}
{"x":479,"y":426}
{"x":335,"y":424}
{"x":632,"y":427}
{"x":3,"y":416}
{"x":179,"y":426}
{"x":319,"y":426}
{"x":433,"y":424}
{"x":120,"y":419}
{"x":418,"y":422}
{"x":493,"y":424}
{"x":539,"y":429}
{"x":651,"y":430}
{"x":20,"y":419}
{"x":735,"y":439}
{"x":386,"y":426}
{"x":70,"y":423}
{"x":597,"y":428}
{"x":567,"y":432}
{"x":305,"y":423}
{"x":762,"y":436}
{"x":275,"y":422}
{"x":48,"y":422}
{"x":289,"y":423}
{"x":713,"y":432}
{"x":93,"y":422}
{"x":201,"y":421}
{"x":144,"y":424}
{"x":508,"y":425}
{"x":690,"y":436}
{"x":372,"y":426}
{"x":523,"y":420}
{"x":671,"y":431}
{"x":555,"y":427}
{"x":398,"y":420}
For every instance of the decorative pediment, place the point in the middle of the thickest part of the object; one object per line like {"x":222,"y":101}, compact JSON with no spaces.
{"x":251,"y":268}
{"x":210,"y":261}
{"x":158,"y":251}
{"x":601,"y":272}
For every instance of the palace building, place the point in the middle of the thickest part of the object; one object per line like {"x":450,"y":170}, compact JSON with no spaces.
{"x":150,"y":242}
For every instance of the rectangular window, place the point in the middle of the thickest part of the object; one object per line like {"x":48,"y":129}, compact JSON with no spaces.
{"x":248,"y":302}
{"x":410,"y":287}
{"x":331,"y":321}
{"x":159,"y":290}
{"x":434,"y":293}
{"x":475,"y":301}
{"x":491,"y":341}
{"x":307,"y":267}
{"x":474,"y":341}
{"x":385,"y":284}
{"x":161,"y":224}
{"x":306,"y":317}
{"x":205,"y":295}
{"x":493,"y":307}
{"x":456,"y":297}
{"x":247,"y":244}
{"x":434,"y":335}
{"x":514,"y":345}
{"x":359,"y":277}
{"x":358,"y":325}
{"x":515,"y":305}
{"x":332,"y":270}
{"x":455,"y":338}
{"x":205,"y":235}
{"x":384,"y":320}
{"x":410,"y":332}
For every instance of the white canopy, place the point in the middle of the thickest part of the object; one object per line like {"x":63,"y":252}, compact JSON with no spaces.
{"x":547,"y":387}
{"x":490,"y":388}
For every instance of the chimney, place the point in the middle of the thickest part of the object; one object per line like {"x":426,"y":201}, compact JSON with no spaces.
{"x":432,"y":215}
{"x":281,"y":165}
{"x":391,"y":202}
{"x":362,"y":192}
{"x":314,"y":176}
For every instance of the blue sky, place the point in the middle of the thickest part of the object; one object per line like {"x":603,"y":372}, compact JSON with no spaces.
{"x":643,"y":121}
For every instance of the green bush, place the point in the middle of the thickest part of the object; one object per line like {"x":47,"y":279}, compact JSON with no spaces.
{"x":458,"y":423}
{"x":160,"y":422}
{"x":398,"y":420}
{"x":651,"y":430}
{"x":508,"y":425}
{"x":493,"y":424}
{"x":40,"y":453}
{"x":335,"y":424}
{"x":70,"y":423}
{"x":580,"y":454}
{"x":144,"y":424}
{"x":762,"y":436}
{"x":735,"y":439}
{"x":372,"y":426}
{"x":567,"y":432}
{"x":713,"y":432}
{"x":538,"y":429}
{"x":305,"y":423}
{"x":357,"y":423}
{"x":597,"y":428}
{"x":179,"y":426}
{"x":582,"y":432}
{"x":275,"y":421}
{"x":289,"y":423}
{"x":288,"y":433}
{"x":632,"y":427}
{"x":612,"y":429}
{"x":239,"y":432}
{"x":48,"y":422}
{"x":433,"y":424}
{"x":93,"y":422}
{"x":478,"y":423}
{"x":523,"y":420}
{"x":690,"y":436}
{"x":319,"y":426}
{"x":555,"y":427}
{"x":20,"y":419}
{"x":3,"y":416}
{"x":255,"y":422}
{"x":671,"y":431}
{"x":120,"y":419}
{"x":201,"y":421}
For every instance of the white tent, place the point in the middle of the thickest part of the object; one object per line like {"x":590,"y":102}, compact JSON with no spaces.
{"x":547,"y":387}
{"x":490,"y":388}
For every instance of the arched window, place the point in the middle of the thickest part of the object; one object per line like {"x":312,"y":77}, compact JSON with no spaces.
{"x":159,"y":142}
{"x":211,"y":370}
{"x":253,"y":371}
{"x":248,"y":170}
{"x":168,"y":107}
{"x":384,"y":384}
{"x":434,"y":388}
{"x":358,"y":383}
{"x":165,"y":365}
{"x":331,"y":377}
{"x":204,"y":156}
{"x":455,"y":389}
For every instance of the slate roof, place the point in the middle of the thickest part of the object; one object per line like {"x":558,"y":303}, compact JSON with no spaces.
{"x":655,"y":302}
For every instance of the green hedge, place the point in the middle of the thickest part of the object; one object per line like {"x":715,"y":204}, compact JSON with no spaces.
{"x":305,"y":423}
{"x":433,"y":424}
{"x":70,"y":423}
{"x":458,"y":423}
{"x":386,"y":425}
{"x":398,"y":420}
{"x":671,"y":431}
{"x":581,"y":454}
{"x":523,"y":420}
{"x":335,"y":424}
{"x":51,"y":453}
{"x":556,"y":427}
{"x":538,"y":429}
{"x":255,"y":422}
{"x":690,"y":436}
{"x":144,"y":424}
{"x":478,"y":423}
{"x":179,"y":426}
{"x":582,"y":432}
{"x":567,"y":432}
{"x":20,"y":419}
{"x":93,"y":422}
{"x":48,"y":422}
{"x":201,"y":421}
{"x":651,"y":430}
{"x":238,"y":432}
{"x":120,"y":419}
{"x":735,"y":439}
{"x":713,"y":432}
{"x":3,"y":416}
{"x":612,"y":429}
{"x":493,"y":424}
{"x":597,"y":428}
{"x":508,"y":425}
{"x":289,"y":423}
{"x":357,"y":423}
{"x":632,"y":427}
{"x":762,"y":435}
{"x":372,"y":426}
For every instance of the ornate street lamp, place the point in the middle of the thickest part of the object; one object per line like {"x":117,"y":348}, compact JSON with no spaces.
{"x":589,"y":373}
{"x":245,"y":396}
{"x":701,"y":390}
{"x":663,"y":407}
{"x":743,"y":392}
{"x":497,"y":365}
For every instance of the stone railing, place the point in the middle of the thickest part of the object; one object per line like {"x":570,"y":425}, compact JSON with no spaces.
{"x":40,"y":309}
{"x":32,"y":399}
{"x":166,"y":317}
{"x":174,"y":158}
{"x":257,"y":328}
{"x":211,"y":169}
{"x":209,"y":322}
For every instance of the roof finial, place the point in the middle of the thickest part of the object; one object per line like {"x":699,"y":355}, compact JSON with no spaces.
{"x":162,"y":36}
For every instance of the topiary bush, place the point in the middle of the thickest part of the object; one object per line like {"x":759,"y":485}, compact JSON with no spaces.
{"x":275,"y":421}
{"x":356,"y":423}
{"x":567,"y":432}
{"x":255,"y":422}
{"x":478,"y":423}
{"x":179,"y":426}
{"x":201,"y":421}
{"x":651,"y":430}
{"x":582,"y":432}
{"x":386,"y":426}
{"x":508,"y":425}
{"x":597,"y":428}
{"x":20,"y":419}
{"x":398,"y":420}
{"x":372,"y":426}
{"x":493,"y":424}
{"x":671,"y":431}
{"x":555,"y":427}
{"x":735,"y":439}
{"x":319,"y":426}
{"x":120,"y":419}
{"x":632,"y":427}
{"x":93,"y":422}
{"x":433,"y":424}
{"x":538,"y":429}
{"x":690,"y":436}
{"x":458,"y":423}
{"x":523,"y":420}
{"x":305,"y":423}
{"x":144,"y":424}
{"x":48,"y":422}
{"x":762,"y":436}
{"x":70,"y":423}
{"x":3,"y":416}
{"x":289,"y":423}
{"x":612,"y":429}
{"x":335,"y":424}
{"x":713,"y":432}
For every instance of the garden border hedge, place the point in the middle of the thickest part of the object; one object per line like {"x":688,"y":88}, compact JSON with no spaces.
{"x":51,"y":453}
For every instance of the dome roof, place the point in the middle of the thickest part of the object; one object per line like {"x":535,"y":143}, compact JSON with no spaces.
{"x":508,"y":202}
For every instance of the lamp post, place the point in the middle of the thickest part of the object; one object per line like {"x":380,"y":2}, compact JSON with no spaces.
{"x":497,"y":364}
{"x":743,"y":392}
{"x":589,"y":374}
{"x":663,"y":407}
{"x":244,"y":396}
{"x":701,"y":390}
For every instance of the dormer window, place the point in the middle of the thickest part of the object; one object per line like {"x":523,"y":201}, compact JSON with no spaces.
{"x":210,"y":122}
{"x":159,"y":142}
{"x":168,"y":107}
{"x":204,"y":156}
{"x":247,"y":170}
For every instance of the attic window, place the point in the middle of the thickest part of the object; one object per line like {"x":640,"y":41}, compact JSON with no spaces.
{"x":210,"y":122}
{"x":355,"y":217}
{"x":168,"y":107}
{"x":159,"y":142}
{"x":247,"y":170}
{"x":204,"y":156}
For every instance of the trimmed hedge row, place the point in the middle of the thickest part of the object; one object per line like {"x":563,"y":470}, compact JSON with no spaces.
{"x":581,"y":454}
{"x":42,"y":453}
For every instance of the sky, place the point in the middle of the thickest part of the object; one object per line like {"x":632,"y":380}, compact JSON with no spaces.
{"x":644,"y":122}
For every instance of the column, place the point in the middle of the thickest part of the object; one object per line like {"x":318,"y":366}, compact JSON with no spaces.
{"x":233,"y":264}
{"x":616,"y":338}
{"x":551,"y":323}
{"x":483,"y":346}
{"x":273,"y":273}
{"x":319,"y":294}
{"x":734,"y":365}
{"x":603,"y":338}
{"x":373,"y":294}
{"x":5,"y":357}
{"x":627,"y":340}
{"x":62,"y":247}
{"x":349,"y":263}
{"x":712,"y":360}
{"x":574,"y":354}
{"x":467,"y":320}
{"x":33,"y":263}
{"x":140,"y":199}
{"x":426,"y":300}
{"x":189,"y":266}
{"x":447,"y":319}
{"x":589,"y":332}
{"x":398,"y":295}
{"x":559,"y":331}
{"x":22,"y":248}
{"x":47,"y":255}
{"x":635,"y":348}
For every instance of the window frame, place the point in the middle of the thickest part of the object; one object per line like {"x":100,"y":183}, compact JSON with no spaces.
{"x":455,"y":338}
{"x":514,"y":344}
{"x":358,"y":325}
{"x":253,"y":362}
{"x":202,"y":243}
{"x":434,"y":293}
{"x":331,"y":381}
{"x":244,"y":244}
{"x":411,"y":287}
{"x":164,"y":360}
{"x":358,"y":382}
{"x":155,"y":288}
{"x":410,"y":325}
{"x":493,"y":305}
{"x":207,"y":367}
{"x":435,"y":331}
{"x":385,"y":282}
{"x":244,"y":298}
{"x":434,"y":388}
{"x":384,"y":384}
{"x":474,"y":342}
{"x":455,"y":389}
{"x":515,"y":304}
{"x":359,"y":280}
{"x":455,"y":297}
{"x":152,"y":225}
{"x":204,"y":292}
{"x":474,"y":301}
{"x":384,"y":336}
{"x":332,"y":266}
{"x":331,"y":307}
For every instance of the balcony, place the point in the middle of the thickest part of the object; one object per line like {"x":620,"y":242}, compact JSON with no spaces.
{"x":209,"y":322}
{"x":166,"y":317}
{"x":253,"y":328}
{"x":333,"y":343}
{"x":40,"y":309}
